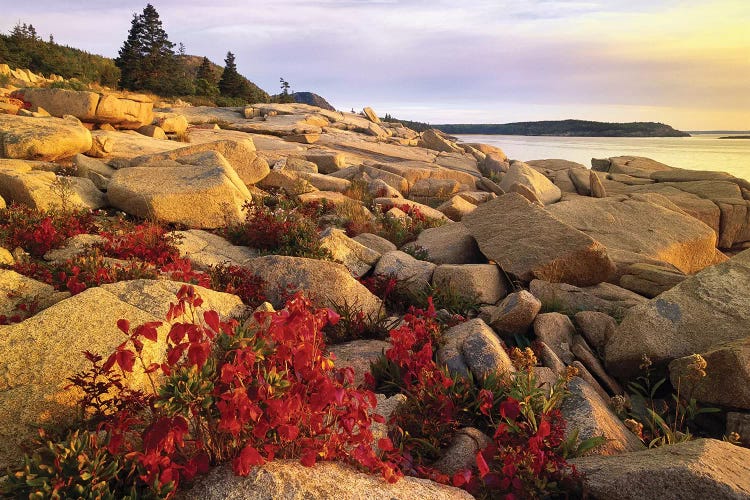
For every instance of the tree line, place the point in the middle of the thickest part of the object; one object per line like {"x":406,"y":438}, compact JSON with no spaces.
{"x":24,"y":48}
{"x":147,"y":61}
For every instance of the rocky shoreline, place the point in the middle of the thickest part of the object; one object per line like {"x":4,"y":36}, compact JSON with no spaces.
{"x":599,"y":267}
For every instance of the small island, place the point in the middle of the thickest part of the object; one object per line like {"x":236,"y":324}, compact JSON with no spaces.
{"x":567,"y":128}
{"x":735,"y":137}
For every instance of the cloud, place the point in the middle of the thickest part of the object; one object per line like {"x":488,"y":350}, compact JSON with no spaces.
{"x":469,"y":59}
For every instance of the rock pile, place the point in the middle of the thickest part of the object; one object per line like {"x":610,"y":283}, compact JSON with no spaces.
{"x":599,"y":267}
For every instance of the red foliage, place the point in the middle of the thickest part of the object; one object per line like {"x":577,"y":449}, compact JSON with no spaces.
{"x":271,"y":394}
{"x":146,"y":241}
{"x":39,"y":232}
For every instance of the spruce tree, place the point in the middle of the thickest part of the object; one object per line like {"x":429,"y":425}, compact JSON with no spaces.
{"x":231,"y":83}
{"x":147,"y":59}
{"x":205,"y":80}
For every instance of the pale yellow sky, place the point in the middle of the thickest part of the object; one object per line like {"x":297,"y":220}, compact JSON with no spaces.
{"x":681,"y":62}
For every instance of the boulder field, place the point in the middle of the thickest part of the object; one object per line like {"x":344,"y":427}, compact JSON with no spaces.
{"x":598,"y":267}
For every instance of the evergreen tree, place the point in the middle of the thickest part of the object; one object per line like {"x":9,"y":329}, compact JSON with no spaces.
{"x":147,"y":59}
{"x":285,"y":96}
{"x":231,"y":83}
{"x":130,"y":54}
{"x":205,"y":80}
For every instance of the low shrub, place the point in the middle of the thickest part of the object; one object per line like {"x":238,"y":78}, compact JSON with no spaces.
{"x":278,"y":226}
{"x":38,"y":232}
{"x":527,"y":458}
{"x":398,"y":231}
{"x":225,"y":394}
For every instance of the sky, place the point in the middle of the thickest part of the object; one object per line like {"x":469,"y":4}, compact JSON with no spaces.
{"x":681,"y":62}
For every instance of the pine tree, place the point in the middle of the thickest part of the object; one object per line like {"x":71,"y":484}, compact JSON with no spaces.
{"x":130,"y":55}
{"x":205,"y":80}
{"x":231,"y":83}
{"x":147,"y":59}
{"x":285,"y":96}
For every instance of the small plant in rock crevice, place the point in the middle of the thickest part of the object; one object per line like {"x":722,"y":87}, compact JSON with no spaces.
{"x":659,"y":421}
{"x":277,"y":226}
{"x":398,"y":231}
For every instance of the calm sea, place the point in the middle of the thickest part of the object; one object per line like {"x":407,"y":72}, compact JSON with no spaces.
{"x":699,"y":152}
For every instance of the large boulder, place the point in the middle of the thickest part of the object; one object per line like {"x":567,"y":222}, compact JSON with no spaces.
{"x":204,"y":197}
{"x":704,"y":311}
{"x":481,"y":282}
{"x":432,"y":139}
{"x":528,"y":242}
{"x":415,"y":275}
{"x":727,"y":380}
{"x":124,"y":111}
{"x":636,"y":230}
{"x":289,"y":480}
{"x":205,"y":249}
{"x":448,"y":244}
{"x":358,"y":258}
{"x":21,"y":182}
{"x":43,"y":139}
{"x":240,"y":154}
{"x":569,"y":299}
{"x":472,"y":347}
{"x":325,"y":283}
{"x":704,"y":468}
{"x":537,"y":183}
{"x":41,"y":352}
{"x":61,"y":102}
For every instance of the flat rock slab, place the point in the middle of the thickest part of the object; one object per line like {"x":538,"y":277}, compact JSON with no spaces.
{"x":44,"y":139}
{"x":704,"y":468}
{"x":528,"y":242}
{"x":704,"y":311}
{"x":206,"y":249}
{"x":197,"y":196}
{"x":42,"y":351}
{"x":633,"y":229}
{"x":289,"y":480}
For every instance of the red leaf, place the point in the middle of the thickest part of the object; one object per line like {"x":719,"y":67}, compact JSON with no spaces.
{"x":177,"y":333}
{"x":123,"y":325}
{"x":212,"y":319}
{"x":198,"y":353}
{"x":175,"y":353}
{"x":484,"y":469}
{"x":125,"y":359}
{"x":308,"y":458}
{"x":385,"y":444}
{"x":152,"y":367}
{"x":248,"y":458}
{"x":461,"y":478}
{"x":110,"y":361}
{"x":288,"y":432}
{"x":148,"y":330}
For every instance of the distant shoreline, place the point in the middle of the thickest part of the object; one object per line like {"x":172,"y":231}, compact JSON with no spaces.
{"x":566,"y":128}
{"x":735,"y":137}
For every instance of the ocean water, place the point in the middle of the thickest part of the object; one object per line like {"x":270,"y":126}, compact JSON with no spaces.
{"x":699,"y":152}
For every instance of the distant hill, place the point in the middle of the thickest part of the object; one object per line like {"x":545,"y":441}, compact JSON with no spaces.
{"x":567,"y":128}
{"x":312,"y":99}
